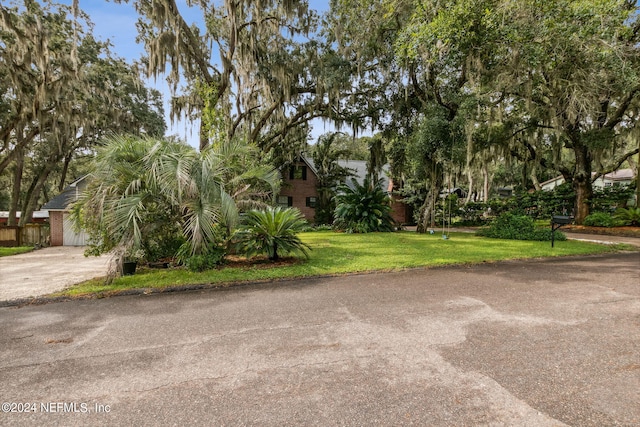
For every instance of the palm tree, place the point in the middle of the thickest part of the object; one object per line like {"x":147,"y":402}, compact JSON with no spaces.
{"x":363,"y":208}
{"x":141,"y":184}
{"x":271,"y":230}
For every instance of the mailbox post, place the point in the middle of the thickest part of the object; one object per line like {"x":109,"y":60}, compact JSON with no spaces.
{"x":558,"y":221}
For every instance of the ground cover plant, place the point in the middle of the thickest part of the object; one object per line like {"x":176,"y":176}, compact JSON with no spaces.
{"x":15,"y":251}
{"x":341,"y":253}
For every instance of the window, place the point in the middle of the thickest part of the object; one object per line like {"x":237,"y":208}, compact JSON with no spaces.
{"x":298,"y":172}
{"x":284,"y":201}
{"x":311,"y":202}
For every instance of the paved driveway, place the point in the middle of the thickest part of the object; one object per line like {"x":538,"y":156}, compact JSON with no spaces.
{"x":524,"y":343}
{"x":47,"y":270}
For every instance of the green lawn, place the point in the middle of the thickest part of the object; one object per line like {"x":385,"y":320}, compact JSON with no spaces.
{"x":336,"y":253}
{"x":15,"y":251}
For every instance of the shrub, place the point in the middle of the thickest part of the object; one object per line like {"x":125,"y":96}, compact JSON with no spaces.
{"x":363,"y":208}
{"x":472,"y":213}
{"x":598,"y":219}
{"x":316,"y":227}
{"x":517,"y":227}
{"x":207,"y":261}
{"x":608,"y":199}
{"x":271,"y":231}
{"x":630,"y":216}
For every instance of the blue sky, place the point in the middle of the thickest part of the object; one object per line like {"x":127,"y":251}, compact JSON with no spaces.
{"x":116,"y":22}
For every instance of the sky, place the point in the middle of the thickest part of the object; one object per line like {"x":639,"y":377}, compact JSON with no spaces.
{"x":116,"y":22}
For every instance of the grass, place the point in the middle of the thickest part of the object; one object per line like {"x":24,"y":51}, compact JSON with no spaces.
{"x":15,"y":251}
{"x":336,"y":253}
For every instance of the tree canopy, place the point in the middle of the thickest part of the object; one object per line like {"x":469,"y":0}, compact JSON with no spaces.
{"x":62,"y":91}
{"x":550,"y":85}
{"x":456,"y":92}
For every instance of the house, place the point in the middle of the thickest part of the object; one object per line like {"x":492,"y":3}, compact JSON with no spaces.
{"x":38,"y":217}
{"x":299,"y":188}
{"x":622,"y":177}
{"x":63,"y":232}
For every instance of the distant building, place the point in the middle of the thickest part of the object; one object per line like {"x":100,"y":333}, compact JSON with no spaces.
{"x":622,"y":177}
{"x":38,"y":217}
{"x":300,"y":181}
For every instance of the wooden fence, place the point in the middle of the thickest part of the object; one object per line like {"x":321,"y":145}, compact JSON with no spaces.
{"x":29,"y":235}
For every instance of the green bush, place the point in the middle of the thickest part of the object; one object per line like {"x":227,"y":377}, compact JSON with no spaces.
{"x":518,"y":227}
{"x":630,"y":216}
{"x":544,"y":204}
{"x":472,"y":214}
{"x":608,"y":199}
{"x":207,"y":261}
{"x":316,"y":227}
{"x":599,"y":219}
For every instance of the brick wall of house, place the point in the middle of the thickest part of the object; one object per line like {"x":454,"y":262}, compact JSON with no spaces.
{"x":400,"y":212}
{"x":55,"y":224}
{"x":299,"y":190}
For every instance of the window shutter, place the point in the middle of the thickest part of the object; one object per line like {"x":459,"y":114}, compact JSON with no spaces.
{"x":290,"y":201}
{"x":304,"y":173}
{"x":291,"y":169}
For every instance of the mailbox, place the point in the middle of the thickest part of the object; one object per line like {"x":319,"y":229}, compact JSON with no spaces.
{"x":561,"y":219}
{"x":558,"y":221}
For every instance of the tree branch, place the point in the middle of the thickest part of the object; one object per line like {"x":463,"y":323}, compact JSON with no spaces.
{"x":616,"y":165}
{"x":622,"y":109}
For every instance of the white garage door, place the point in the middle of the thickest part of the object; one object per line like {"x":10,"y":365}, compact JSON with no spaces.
{"x":70,"y":236}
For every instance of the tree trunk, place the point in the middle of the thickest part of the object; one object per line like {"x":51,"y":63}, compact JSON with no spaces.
{"x":35,"y":189}
{"x":17,"y":183}
{"x":470,"y":192}
{"x":582,"y":183}
{"x":534,"y":179}
{"x":204,"y":137}
{"x":638,"y":181}
{"x":428,"y":209}
{"x":485,"y":185}
{"x":63,"y":174}
{"x":636,"y":165}
{"x":25,"y":216}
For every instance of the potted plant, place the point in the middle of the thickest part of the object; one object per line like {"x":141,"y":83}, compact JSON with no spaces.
{"x":130,"y":261}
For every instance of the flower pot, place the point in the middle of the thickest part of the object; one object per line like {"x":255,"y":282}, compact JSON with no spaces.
{"x":129,"y":268}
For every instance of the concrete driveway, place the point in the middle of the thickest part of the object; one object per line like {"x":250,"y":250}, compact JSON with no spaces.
{"x":47,"y":270}
{"x":523,"y":343}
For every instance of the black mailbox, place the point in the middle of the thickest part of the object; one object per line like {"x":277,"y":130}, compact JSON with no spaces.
{"x":561,"y":219}
{"x":558,"y":221}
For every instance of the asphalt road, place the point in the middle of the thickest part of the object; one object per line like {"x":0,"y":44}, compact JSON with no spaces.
{"x":523,"y":343}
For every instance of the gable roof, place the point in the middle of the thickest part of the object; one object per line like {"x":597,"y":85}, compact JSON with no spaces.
{"x":358,"y":169}
{"x":621,"y":175}
{"x":69,"y":195}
